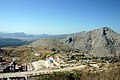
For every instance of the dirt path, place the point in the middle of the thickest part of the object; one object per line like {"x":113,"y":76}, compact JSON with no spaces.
{"x":33,"y":73}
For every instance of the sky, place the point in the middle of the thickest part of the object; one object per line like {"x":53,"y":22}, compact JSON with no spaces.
{"x":58,"y":16}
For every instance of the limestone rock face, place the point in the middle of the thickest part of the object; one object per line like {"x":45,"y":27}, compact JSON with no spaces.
{"x":99,"y":42}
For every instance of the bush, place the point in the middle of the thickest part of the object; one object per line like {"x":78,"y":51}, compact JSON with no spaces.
{"x":53,"y":49}
{"x":59,"y":76}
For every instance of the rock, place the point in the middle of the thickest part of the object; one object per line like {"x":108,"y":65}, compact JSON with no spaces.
{"x":103,"y":42}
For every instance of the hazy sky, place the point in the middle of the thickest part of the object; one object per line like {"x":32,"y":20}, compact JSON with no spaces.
{"x":58,"y":16}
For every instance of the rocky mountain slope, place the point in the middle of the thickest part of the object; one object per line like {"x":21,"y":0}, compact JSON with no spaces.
{"x":100,"y":42}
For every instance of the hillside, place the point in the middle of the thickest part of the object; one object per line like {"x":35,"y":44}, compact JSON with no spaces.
{"x":100,"y":42}
{"x":6,"y":42}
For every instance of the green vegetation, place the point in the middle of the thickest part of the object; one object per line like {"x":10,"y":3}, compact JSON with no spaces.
{"x":26,"y":54}
{"x":59,"y":76}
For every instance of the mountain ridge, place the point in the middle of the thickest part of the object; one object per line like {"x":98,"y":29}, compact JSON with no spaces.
{"x":22,"y":35}
{"x":98,"y":42}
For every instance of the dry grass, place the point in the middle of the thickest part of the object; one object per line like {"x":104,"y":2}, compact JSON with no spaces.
{"x":112,"y":73}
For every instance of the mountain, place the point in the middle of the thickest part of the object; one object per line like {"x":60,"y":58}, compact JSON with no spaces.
{"x":53,"y":36}
{"x":20,"y":35}
{"x":100,"y":42}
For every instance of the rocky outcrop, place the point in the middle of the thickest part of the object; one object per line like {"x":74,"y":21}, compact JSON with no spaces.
{"x":99,"y":43}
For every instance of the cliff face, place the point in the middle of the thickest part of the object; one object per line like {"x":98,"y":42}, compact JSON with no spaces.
{"x":99,"y":42}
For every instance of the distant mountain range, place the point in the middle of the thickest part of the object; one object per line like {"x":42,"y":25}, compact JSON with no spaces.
{"x":19,"y":39}
{"x":22,"y":35}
